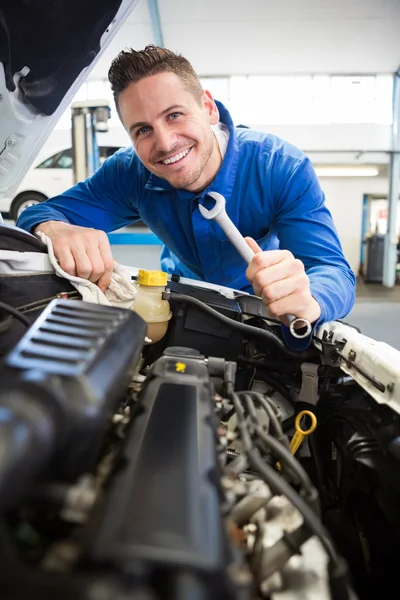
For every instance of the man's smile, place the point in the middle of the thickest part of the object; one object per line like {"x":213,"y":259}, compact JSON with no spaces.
{"x":175,"y":158}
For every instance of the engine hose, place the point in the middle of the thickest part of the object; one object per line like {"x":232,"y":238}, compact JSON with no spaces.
{"x":272,"y":416}
{"x":282,"y":452}
{"x":267,"y":378}
{"x":247,"y":329}
{"x":15,"y":313}
{"x":281,"y":487}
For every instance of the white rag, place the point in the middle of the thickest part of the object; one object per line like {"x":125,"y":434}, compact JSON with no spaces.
{"x":121,"y":291}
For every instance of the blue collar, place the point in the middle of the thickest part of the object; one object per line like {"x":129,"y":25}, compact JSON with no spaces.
{"x":224,"y":179}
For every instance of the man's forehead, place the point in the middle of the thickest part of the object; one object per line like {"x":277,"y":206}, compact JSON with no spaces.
{"x":158,"y":85}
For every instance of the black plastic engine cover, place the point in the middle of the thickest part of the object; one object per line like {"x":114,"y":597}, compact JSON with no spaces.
{"x":163,"y":509}
{"x":77,"y":359}
{"x":36,"y":290}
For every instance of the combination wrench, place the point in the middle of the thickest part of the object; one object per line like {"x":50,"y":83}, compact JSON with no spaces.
{"x":300,"y":328}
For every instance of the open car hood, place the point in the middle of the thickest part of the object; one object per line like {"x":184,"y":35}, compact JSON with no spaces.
{"x":47,"y":50}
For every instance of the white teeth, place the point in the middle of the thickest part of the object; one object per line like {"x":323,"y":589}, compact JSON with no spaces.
{"x":175,"y":158}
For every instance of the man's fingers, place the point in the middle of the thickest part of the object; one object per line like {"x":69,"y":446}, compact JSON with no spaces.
{"x":97,"y":263}
{"x":81,"y":251}
{"x":266,"y":259}
{"x":283,"y":288}
{"x":105,"y":280}
{"x":267,"y":276}
{"x":296,"y":303}
{"x":253,"y":245}
{"x":96,"y":260}
{"x":282,"y":283}
{"x":108,"y":262}
{"x":83,"y":264}
{"x":65,"y":258}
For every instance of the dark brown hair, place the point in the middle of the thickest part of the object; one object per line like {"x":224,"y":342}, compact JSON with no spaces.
{"x":133,"y":65}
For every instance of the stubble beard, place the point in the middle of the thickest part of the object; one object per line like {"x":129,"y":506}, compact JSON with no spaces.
{"x":191,"y":178}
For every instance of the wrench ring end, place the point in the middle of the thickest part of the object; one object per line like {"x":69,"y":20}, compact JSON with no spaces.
{"x":302,"y":330}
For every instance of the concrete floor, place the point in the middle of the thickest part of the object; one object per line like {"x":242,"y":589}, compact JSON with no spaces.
{"x":377,"y":313}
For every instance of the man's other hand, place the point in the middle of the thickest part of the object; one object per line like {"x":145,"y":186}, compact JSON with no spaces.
{"x":81,"y":251}
{"x":280,"y":280}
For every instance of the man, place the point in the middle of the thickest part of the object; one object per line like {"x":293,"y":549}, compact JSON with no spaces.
{"x":184,"y":146}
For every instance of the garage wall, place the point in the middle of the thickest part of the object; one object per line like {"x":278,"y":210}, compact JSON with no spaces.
{"x":344,"y":198}
{"x":333,"y":137}
{"x":344,"y":195}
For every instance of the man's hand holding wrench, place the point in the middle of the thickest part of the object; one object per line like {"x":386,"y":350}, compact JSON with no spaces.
{"x":276,"y":276}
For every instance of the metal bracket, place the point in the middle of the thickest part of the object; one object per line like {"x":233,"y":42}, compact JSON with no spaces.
{"x":309,"y":383}
{"x":11,"y":154}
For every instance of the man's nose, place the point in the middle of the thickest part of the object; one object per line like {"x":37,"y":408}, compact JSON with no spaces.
{"x":164,"y":138}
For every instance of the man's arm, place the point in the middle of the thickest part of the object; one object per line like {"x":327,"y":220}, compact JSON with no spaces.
{"x":305,"y":227}
{"x":309,"y":276}
{"x":76,"y":221}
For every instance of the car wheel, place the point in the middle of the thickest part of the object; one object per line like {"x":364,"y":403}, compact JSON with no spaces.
{"x":21,"y":202}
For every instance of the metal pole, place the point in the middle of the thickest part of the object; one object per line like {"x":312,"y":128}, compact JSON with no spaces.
{"x":156,"y":22}
{"x":79,"y":144}
{"x":390,"y":248}
{"x":364,"y":227}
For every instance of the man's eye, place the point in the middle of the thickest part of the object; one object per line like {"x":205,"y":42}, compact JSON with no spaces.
{"x":174,"y":115}
{"x":142,"y":131}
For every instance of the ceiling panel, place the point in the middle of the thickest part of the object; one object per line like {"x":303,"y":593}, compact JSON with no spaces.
{"x":270,"y":36}
{"x":227,"y":11}
{"x":251,"y":47}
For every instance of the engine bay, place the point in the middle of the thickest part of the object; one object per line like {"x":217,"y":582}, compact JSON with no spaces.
{"x":177,"y":470}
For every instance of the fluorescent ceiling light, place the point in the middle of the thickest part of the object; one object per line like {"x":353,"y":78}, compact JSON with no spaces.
{"x":346,"y":171}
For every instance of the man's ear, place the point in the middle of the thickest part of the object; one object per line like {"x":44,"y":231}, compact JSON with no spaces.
{"x":210,"y":107}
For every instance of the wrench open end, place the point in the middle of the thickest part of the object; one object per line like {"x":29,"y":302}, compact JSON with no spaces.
{"x":216,"y":210}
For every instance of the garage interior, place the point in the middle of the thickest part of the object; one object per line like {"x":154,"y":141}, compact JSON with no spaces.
{"x":168,"y":438}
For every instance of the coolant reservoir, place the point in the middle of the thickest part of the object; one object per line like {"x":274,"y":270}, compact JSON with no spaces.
{"x":150,"y":305}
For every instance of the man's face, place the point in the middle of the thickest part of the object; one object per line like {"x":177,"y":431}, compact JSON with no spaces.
{"x":171,"y":131}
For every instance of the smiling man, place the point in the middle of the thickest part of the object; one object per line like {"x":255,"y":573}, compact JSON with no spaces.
{"x":184,"y":146}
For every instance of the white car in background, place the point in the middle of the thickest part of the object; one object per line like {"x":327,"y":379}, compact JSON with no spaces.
{"x":49,"y":177}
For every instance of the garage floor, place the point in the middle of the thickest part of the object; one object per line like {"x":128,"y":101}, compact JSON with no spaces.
{"x":377,"y":312}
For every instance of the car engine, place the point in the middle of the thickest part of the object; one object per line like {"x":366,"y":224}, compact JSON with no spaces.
{"x":169,"y":470}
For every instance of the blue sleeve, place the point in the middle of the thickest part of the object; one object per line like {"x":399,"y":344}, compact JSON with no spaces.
{"x":305,"y":227}
{"x":103,"y":201}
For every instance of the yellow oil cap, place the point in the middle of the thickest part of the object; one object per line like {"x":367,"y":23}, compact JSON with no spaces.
{"x":156,"y":278}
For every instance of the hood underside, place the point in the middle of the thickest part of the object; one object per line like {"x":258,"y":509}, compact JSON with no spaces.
{"x":47,"y":50}
{"x":55,"y":40}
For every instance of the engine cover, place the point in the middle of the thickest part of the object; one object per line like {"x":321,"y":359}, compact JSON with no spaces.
{"x":164,"y":509}
{"x":77,"y":360}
